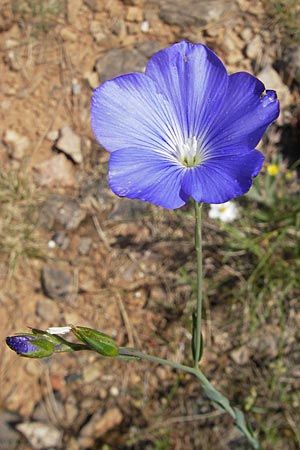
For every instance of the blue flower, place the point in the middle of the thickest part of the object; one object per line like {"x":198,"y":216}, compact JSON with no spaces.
{"x":30,"y":345}
{"x":183,"y":129}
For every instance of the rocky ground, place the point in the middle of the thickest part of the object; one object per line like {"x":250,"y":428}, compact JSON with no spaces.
{"x":71,"y":252}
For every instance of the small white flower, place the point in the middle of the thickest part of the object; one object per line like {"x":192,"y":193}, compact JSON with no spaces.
{"x":59,"y":330}
{"x":226,"y":212}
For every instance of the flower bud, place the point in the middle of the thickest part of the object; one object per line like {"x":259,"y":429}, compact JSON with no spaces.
{"x":30,"y":345}
{"x":96,"y":340}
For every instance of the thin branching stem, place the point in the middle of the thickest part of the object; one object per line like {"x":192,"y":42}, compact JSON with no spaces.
{"x":215,"y":396}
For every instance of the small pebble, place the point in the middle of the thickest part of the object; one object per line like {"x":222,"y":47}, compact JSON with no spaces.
{"x":145,"y":27}
{"x":114,"y":391}
{"x":51,"y":244}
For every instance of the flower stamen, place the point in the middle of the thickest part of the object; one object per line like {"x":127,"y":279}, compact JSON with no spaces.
{"x":191,"y":152}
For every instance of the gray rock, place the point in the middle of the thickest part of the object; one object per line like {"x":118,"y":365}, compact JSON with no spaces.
{"x":52,"y":135}
{"x":48,"y":311}
{"x":232,"y":44}
{"x":97,"y":193}
{"x":9,"y":436}
{"x":148,"y":48}
{"x":94,"y":5}
{"x":92,"y":78}
{"x":97,"y":31}
{"x":54,"y":172}
{"x":58,"y":284}
{"x":61,"y":240}
{"x":246,"y":34}
{"x":117,"y":62}
{"x":40,"y":413}
{"x":98,"y":425}
{"x":127,"y":209}
{"x":186,"y":13}
{"x":68,"y":35}
{"x":70,"y":215}
{"x":70,"y":144}
{"x":62,"y":210}
{"x":118,"y":27}
{"x":13,"y":61}
{"x":241,"y":355}
{"x":16,"y":143}
{"x":40,"y":435}
{"x":291,"y":63}
{"x":49,"y":211}
{"x":84,"y":245}
{"x":255,"y":48}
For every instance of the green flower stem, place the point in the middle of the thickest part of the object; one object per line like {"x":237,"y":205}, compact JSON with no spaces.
{"x":198,"y":246}
{"x":71,"y":348}
{"x":215,"y":396}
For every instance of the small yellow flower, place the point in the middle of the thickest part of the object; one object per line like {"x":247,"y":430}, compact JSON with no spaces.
{"x":288,"y":175}
{"x":273,"y":170}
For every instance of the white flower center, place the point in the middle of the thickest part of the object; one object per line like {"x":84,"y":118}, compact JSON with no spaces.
{"x":191,"y":152}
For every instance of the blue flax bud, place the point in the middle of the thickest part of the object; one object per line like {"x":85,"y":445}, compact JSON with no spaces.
{"x":30,"y":345}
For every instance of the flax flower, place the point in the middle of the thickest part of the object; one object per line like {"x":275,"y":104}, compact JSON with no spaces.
{"x":183,"y":129}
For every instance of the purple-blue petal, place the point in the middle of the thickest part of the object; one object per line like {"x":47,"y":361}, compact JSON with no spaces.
{"x":132,"y":111}
{"x":21,"y":344}
{"x":224,"y":178}
{"x":147,"y":175}
{"x":245,"y":115}
{"x":195,"y":81}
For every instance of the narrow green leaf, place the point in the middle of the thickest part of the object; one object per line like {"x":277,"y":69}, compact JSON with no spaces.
{"x":194,"y":340}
